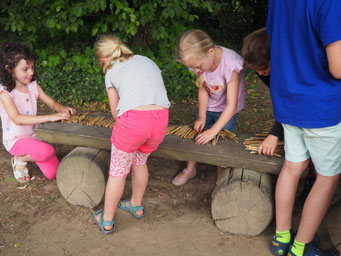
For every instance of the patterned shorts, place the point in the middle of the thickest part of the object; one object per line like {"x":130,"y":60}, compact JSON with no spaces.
{"x":121,"y":161}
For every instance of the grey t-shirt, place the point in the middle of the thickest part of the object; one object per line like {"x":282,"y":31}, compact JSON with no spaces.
{"x":138,"y":82}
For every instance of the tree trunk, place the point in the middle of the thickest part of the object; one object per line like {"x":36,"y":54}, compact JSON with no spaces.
{"x":243,"y":203}
{"x":82,"y":175}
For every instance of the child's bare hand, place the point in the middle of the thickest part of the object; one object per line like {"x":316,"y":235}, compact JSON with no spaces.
{"x":70,"y":110}
{"x":59,"y":116}
{"x":268,"y":146}
{"x":199,"y":124}
{"x":205,"y":137}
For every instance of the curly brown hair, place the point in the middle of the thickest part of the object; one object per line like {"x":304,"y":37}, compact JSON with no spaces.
{"x":11,"y":54}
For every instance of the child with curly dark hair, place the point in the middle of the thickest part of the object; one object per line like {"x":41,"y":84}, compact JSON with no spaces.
{"x":18,"y":110}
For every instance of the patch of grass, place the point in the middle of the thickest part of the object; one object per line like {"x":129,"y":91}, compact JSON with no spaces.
{"x":49,"y":199}
{"x":12,"y":213}
{"x":31,"y":185}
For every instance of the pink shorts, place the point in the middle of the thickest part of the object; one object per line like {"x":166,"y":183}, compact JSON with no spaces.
{"x":135,"y":135}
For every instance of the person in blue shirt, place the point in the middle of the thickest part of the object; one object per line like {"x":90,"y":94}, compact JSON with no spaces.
{"x":256,"y":54}
{"x":305,"y":43}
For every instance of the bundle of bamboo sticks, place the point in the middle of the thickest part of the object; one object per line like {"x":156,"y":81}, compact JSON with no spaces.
{"x":187,"y":132}
{"x":91,"y":120}
{"x":254,"y":142}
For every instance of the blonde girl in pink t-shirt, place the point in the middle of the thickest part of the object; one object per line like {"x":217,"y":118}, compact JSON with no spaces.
{"x":18,"y":111}
{"x":221,"y":92}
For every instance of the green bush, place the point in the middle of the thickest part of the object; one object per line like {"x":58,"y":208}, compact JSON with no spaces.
{"x":148,"y":21}
{"x":61,"y":32}
{"x":72,"y":78}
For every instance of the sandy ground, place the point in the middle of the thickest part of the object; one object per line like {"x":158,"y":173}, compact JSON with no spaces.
{"x":36,"y":220}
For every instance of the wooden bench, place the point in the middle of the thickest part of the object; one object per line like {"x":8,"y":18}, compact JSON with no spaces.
{"x":243,"y":203}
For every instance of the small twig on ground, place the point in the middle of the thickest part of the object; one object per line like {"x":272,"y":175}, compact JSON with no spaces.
{"x":21,"y":187}
{"x":30,"y":206}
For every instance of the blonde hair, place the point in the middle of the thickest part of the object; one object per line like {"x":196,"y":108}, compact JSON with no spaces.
{"x":256,"y":49}
{"x":194,"y":43}
{"x":110,"y":48}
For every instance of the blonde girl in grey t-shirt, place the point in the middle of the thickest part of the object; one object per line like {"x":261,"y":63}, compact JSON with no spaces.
{"x":139,"y":103}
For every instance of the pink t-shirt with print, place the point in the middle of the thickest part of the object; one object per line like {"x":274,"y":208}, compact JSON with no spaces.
{"x":26,"y":104}
{"x":216,"y":81}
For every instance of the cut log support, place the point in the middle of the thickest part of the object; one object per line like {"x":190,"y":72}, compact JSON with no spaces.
{"x":82,"y":175}
{"x":243,"y":203}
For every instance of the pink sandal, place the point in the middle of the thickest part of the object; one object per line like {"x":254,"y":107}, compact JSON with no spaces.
{"x":183,"y":177}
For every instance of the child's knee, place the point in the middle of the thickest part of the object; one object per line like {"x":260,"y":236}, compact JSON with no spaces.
{"x":119,"y":172}
{"x":49,"y":167}
{"x":45,"y":153}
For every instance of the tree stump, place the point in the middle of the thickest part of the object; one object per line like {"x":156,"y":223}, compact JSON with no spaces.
{"x":82,"y":175}
{"x":243,"y":203}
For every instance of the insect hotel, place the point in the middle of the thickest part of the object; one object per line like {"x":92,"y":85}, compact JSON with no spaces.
{"x":243,"y":202}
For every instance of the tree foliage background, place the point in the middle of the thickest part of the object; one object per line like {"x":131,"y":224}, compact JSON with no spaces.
{"x":63,"y":34}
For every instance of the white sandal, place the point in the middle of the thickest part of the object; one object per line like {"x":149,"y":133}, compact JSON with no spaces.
{"x":22,"y":173}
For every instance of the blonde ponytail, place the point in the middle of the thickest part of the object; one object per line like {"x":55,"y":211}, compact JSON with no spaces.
{"x":109,"y":49}
{"x":200,"y":80}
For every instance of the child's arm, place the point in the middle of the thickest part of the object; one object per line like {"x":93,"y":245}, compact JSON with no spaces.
{"x":113,"y":100}
{"x":334,"y":58}
{"x":55,"y":106}
{"x":20,"y":119}
{"x":269,"y":144}
{"x":199,"y":124}
{"x":229,"y":111}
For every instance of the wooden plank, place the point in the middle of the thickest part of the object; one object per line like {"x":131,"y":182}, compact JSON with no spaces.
{"x":224,"y":153}
{"x":75,"y":134}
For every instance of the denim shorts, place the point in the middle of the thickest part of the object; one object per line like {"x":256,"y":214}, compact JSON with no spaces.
{"x":322,"y":145}
{"x":212,"y":117}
